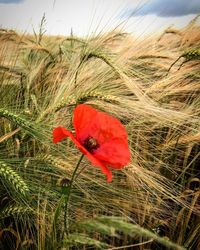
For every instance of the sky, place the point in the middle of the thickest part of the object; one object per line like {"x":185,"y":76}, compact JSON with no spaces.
{"x":87,"y":17}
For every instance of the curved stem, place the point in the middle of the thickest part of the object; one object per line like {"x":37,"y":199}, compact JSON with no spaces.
{"x":68,"y":195}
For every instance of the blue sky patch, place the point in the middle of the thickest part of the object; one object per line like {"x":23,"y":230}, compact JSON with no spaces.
{"x":166,"y":8}
{"x":11,"y":1}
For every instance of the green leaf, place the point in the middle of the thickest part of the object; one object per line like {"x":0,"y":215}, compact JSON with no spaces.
{"x":128,"y":228}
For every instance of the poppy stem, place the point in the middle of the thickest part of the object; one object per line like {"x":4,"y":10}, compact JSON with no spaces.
{"x":67,"y":197}
{"x":81,"y":171}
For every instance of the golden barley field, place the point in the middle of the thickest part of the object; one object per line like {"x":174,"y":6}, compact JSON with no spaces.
{"x":152,"y":86}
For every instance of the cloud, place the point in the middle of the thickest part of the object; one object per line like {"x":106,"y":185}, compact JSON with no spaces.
{"x":11,"y":1}
{"x":166,"y":8}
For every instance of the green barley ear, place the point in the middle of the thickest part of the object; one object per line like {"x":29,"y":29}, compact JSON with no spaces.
{"x":97,"y":95}
{"x":13,"y":178}
{"x":42,"y":30}
{"x":191,"y":54}
{"x":14,"y":210}
{"x":100,"y":55}
{"x":15,"y":118}
{"x":22,"y":121}
{"x":70,"y":100}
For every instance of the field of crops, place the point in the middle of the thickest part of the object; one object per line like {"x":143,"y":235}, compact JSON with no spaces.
{"x":152,"y":85}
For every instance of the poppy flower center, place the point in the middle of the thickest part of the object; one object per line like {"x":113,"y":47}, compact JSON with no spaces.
{"x":90,"y":144}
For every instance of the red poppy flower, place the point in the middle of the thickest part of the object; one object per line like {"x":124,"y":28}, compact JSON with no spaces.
{"x":101,"y":137}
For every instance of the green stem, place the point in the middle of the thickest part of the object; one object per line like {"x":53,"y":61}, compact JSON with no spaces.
{"x":68,"y":195}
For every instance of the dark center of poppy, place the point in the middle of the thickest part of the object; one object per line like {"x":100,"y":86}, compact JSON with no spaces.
{"x":90,"y":144}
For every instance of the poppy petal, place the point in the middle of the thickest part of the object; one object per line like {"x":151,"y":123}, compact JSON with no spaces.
{"x":61,"y":133}
{"x":106,"y":128}
{"x":99,"y":125}
{"x":93,"y":160}
{"x":83,"y":115}
{"x":114,"y":153}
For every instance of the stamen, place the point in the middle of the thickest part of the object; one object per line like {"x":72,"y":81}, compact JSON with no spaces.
{"x":90,"y":144}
